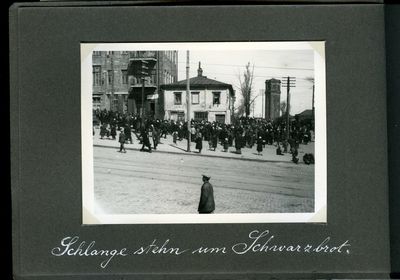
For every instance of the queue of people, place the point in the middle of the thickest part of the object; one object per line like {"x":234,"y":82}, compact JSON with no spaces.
{"x":242,"y":133}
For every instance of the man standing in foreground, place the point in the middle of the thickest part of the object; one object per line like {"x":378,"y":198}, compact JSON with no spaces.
{"x":206,"y":204}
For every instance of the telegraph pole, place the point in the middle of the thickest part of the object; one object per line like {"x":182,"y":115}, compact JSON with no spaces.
{"x":288,"y":83}
{"x":188,"y":100}
{"x":142,"y":113}
{"x":313,"y":106}
{"x":112,"y":81}
{"x":262,"y":103}
{"x":144,"y":73}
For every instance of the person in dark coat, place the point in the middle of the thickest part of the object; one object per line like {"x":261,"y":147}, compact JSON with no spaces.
{"x":128,"y":133}
{"x":259,"y":145}
{"x":113,"y":131}
{"x":279,"y":150}
{"x":225,"y":144}
{"x":145,"y":139}
{"x":103,"y":131}
{"x":238,"y":143}
{"x":214,"y":139}
{"x":175,"y":136}
{"x":199,"y":141}
{"x":154,"y":135}
{"x":206,"y":204}
{"x":122,"y":140}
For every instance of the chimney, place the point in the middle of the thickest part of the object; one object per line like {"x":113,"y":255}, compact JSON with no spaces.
{"x":199,"y":71}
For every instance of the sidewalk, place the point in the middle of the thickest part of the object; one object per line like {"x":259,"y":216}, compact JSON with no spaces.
{"x":167,"y":146}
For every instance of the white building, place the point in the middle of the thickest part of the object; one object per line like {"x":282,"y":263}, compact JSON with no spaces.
{"x":211,"y":100}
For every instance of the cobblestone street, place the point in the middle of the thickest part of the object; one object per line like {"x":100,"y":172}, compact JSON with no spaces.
{"x":169,"y":183}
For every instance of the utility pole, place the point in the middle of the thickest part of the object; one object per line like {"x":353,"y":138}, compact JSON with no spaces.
{"x":144,"y":73}
{"x":262,"y":105}
{"x":290,"y":82}
{"x":188,"y":100}
{"x":112,"y":81}
{"x":313,"y":106}
{"x":142,"y":113}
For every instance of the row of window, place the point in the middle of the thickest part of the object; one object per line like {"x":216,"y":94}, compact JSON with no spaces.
{"x":172,"y":56}
{"x":98,"y":53}
{"x":195,"y":96}
{"x":168,"y":78}
{"x":100,"y":77}
{"x":198,"y":116}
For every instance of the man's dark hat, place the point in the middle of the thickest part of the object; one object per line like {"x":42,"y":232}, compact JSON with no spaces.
{"x":205,"y":176}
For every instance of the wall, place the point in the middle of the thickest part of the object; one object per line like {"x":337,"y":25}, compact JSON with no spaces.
{"x":205,"y":104}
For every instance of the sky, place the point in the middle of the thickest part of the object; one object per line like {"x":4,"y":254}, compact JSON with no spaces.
{"x":226,"y":66}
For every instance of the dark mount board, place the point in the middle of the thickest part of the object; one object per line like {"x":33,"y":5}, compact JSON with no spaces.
{"x":392,"y":24}
{"x":46,"y":141}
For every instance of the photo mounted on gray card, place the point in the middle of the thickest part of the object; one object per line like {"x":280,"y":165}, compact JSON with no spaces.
{"x":174,"y":131}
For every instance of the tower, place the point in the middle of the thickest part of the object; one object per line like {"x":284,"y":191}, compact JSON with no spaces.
{"x":272,"y":98}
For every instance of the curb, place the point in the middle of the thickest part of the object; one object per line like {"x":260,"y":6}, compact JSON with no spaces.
{"x":199,"y":155}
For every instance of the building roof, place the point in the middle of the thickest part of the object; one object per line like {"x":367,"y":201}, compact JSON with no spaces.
{"x":305,"y":113}
{"x":199,"y":82}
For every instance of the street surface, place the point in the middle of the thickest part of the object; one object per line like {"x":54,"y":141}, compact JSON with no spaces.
{"x":169,"y":183}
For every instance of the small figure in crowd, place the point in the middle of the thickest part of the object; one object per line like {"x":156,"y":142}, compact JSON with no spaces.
{"x":122,"y":140}
{"x":259,"y":145}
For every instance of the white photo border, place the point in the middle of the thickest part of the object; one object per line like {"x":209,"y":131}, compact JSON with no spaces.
{"x":320,"y":180}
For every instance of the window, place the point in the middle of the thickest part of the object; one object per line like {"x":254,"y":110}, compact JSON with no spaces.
{"x":220,"y":118}
{"x":96,"y":99}
{"x":96,"y":75}
{"x":275,"y":87}
{"x":97,"y":53}
{"x":200,"y":116}
{"x":195,"y":98}
{"x":181,"y":116}
{"x":178,"y":98}
{"x":216,"y":98}
{"x":124,"y":77}
{"x":110,"y":76}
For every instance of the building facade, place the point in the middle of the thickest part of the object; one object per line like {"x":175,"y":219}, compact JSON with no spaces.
{"x":110,"y":80}
{"x":272,"y":99}
{"x":211,"y":100}
{"x":148,"y":71}
{"x":117,"y":85}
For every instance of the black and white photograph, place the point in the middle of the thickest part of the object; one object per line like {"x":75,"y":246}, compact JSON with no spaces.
{"x":174,"y":131}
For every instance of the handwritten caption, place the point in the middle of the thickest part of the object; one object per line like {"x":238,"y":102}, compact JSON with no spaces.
{"x":257,"y":242}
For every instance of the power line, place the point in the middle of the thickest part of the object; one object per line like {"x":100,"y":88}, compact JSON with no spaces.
{"x":255,"y":76}
{"x":268,"y":67}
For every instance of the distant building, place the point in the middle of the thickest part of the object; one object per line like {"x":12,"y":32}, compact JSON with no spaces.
{"x":110,"y":80}
{"x":118,"y":87}
{"x":211,"y":100}
{"x":161,"y":68}
{"x":272,"y":99}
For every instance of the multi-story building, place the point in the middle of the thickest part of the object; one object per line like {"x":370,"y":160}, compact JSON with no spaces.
{"x":110,"y":80}
{"x":118,"y":87}
{"x":211,"y":100}
{"x":148,"y":70}
{"x":272,"y":99}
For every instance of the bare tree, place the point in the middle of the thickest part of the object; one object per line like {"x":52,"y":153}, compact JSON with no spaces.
{"x":311,"y":80}
{"x":283,"y":107}
{"x":246,"y":87}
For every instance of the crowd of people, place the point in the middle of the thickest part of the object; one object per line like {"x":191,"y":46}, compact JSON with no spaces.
{"x":241,"y":133}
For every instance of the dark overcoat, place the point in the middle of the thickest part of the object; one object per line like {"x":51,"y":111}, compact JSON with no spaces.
{"x":199,"y":141}
{"x":206,"y":204}
{"x":121,"y":138}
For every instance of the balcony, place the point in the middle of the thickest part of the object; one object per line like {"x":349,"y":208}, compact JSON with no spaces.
{"x":143,"y":55}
